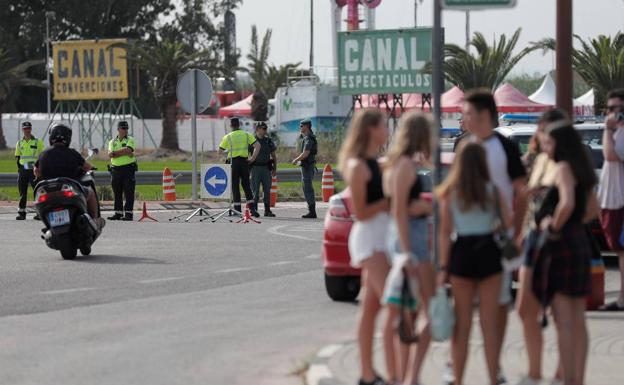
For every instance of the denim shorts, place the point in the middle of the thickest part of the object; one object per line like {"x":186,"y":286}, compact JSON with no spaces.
{"x":419,"y":240}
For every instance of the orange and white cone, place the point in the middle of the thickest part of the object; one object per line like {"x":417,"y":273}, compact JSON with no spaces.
{"x":327,"y":183}
{"x":274,"y":189}
{"x":169,"y":190}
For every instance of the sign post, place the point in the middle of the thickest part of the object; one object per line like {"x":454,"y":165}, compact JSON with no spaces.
{"x":478,"y":4}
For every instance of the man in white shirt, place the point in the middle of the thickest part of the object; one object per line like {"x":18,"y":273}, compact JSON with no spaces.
{"x":611,"y":188}
{"x":507,"y":173}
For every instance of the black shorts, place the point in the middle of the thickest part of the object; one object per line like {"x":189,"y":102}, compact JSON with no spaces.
{"x":475,"y":257}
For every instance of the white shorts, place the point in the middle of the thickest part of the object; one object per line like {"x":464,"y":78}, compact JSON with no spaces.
{"x":367,"y":238}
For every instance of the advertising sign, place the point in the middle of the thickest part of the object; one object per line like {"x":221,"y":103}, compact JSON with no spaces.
{"x":384,"y":61}
{"x":89,"y":70}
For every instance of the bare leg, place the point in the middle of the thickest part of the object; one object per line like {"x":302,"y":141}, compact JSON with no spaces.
{"x":501,"y":328}
{"x":572,"y":337}
{"x":463,"y":294}
{"x":426,"y":277}
{"x":529,"y":311}
{"x":375,"y":270}
{"x":392,"y":345}
{"x":92,"y":204}
{"x":489,"y":290}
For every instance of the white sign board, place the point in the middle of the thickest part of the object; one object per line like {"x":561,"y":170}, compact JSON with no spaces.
{"x":216,"y":181}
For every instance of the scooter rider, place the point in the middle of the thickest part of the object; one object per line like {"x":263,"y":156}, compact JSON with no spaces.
{"x":60,"y":161}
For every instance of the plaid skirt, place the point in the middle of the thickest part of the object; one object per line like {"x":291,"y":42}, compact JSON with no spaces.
{"x":563,"y":265}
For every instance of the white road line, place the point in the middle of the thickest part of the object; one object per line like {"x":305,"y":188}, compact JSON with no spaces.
{"x":307,"y":230}
{"x":67,"y":290}
{"x":233,"y":270}
{"x":316,"y":373}
{"x":276,"y":230}
{"x":165,"y":279}
{"x":329,"y":351}
{"x":312,"y":256}
{"x":281,"y":263}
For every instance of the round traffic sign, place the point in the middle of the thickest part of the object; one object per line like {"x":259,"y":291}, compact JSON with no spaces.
{"x":215,"y":181}
{"x":203,"y":91}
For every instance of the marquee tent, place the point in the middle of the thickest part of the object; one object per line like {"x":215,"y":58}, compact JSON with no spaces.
{"x":241,"y":108}
{"x":509,"y":99}
{"x":546,"y":93}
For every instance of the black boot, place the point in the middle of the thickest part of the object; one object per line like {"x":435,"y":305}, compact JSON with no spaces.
{"x":268,"y":213}
{"x":311,"y":213}
{"x":20,"y":216}
{"x":128,"y":217}
{"x":116,"y":217}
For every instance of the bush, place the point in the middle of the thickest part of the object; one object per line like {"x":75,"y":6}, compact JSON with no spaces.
{"x":104,"y":193}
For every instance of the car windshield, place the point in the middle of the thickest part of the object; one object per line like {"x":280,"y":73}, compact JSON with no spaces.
{"x":592,"y":138}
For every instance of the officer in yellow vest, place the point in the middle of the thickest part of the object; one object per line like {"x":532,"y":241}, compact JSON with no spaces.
{"x":236,"y":144}
{"x":123,"y":167}
{"x":27,"y":152}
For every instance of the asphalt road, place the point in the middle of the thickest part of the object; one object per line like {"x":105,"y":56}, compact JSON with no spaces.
{"x":166,"y":303}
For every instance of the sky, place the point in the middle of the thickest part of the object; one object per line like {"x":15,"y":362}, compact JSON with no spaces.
{"x":289,"y":20}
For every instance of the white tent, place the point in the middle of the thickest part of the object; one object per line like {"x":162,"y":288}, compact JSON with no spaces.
{"x":547,"y":93}
{"x":584,"y":104}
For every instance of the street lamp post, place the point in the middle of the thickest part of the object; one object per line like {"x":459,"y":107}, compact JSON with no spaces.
{"x":564,"y":55}
{"x":48,"y":15}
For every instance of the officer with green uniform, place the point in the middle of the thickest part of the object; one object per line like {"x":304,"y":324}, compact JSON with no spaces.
{"x":123,"y":167}
{"x":263,"y":169}
{"x":27,"y":152}
{"x":236,"y":144}
{"x":307,"y":161}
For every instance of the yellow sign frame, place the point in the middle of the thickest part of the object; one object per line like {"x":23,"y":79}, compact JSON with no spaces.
{"x":89,"y":70}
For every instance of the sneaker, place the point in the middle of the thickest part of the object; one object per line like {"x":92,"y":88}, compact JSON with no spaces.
{"x":500,"y":378}
{"x":448,"y":376}
{"x":36,"y":217}
{"x":20,"y":217}
{"x":269,"y":213}
{"x":376,"y":381}
{"x":528,"y":381}
{"x":116,"y":217}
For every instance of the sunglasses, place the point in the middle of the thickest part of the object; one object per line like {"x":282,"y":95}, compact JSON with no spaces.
{"x":614,"y":108}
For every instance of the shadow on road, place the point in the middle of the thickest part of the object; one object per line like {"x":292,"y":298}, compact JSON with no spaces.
{"x":119,"y":260}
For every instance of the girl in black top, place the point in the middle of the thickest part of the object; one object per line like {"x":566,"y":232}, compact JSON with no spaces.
{"x":562,"y":267}
{"x":367,"y":135}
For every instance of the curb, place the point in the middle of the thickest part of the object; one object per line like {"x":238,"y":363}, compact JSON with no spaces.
{"x":319,"y":373}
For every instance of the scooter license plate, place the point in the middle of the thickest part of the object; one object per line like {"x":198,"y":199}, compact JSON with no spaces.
{"x":58,"y":218}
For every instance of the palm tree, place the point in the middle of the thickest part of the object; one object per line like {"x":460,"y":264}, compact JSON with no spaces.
{"x":258,"y":59}
{"x":277,"y":77}
{"x":599,"y":61}
{"x":488,"y":68}
{"x":164,"y":61}
{"x":13,"y":76}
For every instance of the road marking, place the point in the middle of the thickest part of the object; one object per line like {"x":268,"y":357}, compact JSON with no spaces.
{"x":316,"y":373}
{"x":312,"y":256}
{"x":233,"y":270}
{"x":281,"y":263}
{"x":276,"y":230}
{"x":166,"y":279}
{"x":68,"y":290}
{"x":308,"y":230}
{"x":329,"y":351}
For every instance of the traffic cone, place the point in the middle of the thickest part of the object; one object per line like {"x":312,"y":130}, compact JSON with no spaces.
{"x":274,"y":189}
{"x":145,"y":215}
{"x":169,"y":190}
{"x":327,"y":183}
{"x":247,"y":216}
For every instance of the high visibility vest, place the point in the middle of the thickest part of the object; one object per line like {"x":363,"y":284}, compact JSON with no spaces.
{"x":237,"y":143}
{"x":116,"y":145}
{"x":29,"y":150}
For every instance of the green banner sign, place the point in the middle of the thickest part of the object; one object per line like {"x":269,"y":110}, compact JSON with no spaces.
{"x":384,"y":61}
{"x":475,"y":4}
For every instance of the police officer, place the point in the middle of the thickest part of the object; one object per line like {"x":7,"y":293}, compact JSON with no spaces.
{"x":307,"y":161}
{"x":262,"y":169}
{"x":123,"y":167}
{"x":27,"y":152}
{"x":236,"y":144}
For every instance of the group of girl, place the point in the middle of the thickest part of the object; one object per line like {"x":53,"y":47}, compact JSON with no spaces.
{"x":392,"y":228}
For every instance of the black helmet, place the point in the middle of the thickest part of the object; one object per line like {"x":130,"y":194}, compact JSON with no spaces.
{"x":60,"y":133}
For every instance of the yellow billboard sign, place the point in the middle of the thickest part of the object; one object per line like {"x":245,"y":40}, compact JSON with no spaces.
{"x":89,"y":69}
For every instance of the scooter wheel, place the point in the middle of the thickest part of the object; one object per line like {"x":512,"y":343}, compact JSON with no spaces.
{"x":69,"y":252}
{"x":86,"y":250}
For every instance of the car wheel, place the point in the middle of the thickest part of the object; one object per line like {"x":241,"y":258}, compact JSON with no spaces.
{"x":342,"y":288}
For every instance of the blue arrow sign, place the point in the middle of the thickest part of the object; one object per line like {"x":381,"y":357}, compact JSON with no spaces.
{"x":215,"y":181}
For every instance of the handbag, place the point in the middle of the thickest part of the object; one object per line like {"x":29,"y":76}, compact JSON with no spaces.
{"x":441,"y":315}
{"x":507,"y":246}
{"x":407,"y":334}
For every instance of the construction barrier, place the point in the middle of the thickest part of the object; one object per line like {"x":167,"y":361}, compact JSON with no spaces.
{"x":596,"y":297}
{"x":274,"y":189}
{"x":169,"y":190}
{"x":327,"y":183}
